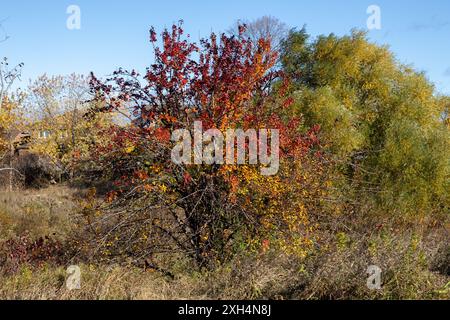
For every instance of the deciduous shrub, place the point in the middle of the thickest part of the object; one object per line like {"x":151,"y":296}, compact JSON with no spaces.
{"x":209,"y":212}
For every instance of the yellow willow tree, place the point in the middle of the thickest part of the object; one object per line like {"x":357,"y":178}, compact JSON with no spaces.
{"x":383,"y":121}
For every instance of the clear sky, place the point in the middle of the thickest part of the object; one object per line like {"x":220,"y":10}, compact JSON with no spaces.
{"x":115,"y":33}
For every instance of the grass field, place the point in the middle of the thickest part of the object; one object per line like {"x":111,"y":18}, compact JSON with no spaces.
{"x":415,"y":262}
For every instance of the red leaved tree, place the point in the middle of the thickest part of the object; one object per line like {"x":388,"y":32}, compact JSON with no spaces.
{"x":206,"y":211}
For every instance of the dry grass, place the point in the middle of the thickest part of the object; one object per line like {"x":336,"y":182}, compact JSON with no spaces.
{"x":415,"y":262}
{"x":42,"y":212}
{"x":96,"y":283}
{"x":253,"y":279}
{"x":115,"y":282}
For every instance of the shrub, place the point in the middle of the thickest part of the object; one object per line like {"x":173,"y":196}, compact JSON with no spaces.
{"x":209,"y":212}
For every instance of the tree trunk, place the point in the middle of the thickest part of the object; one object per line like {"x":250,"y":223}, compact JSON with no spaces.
{"x":11,"y":156}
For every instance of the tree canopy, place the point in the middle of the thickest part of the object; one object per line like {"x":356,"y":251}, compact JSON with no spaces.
{"x":382,"y":120}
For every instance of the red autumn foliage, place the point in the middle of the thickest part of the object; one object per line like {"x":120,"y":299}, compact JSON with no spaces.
{"x":225,"y":82}
{"x":24,"y":250}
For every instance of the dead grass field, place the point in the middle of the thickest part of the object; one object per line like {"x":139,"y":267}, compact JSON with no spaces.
{"x":415,"y":263}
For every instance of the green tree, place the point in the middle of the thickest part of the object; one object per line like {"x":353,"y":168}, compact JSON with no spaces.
{"x":382,"y":120}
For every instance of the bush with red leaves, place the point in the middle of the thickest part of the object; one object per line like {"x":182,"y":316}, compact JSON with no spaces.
{"x":23,"y":250}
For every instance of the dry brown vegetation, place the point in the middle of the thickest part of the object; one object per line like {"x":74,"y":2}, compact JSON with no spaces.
{"x":415,"y":262}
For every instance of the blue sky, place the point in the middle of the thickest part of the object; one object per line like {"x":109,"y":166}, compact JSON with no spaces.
{"x":115,"y":33}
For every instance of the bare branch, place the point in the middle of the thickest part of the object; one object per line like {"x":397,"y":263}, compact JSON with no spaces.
{"x":266,"y":27}
{"x":8,"y":77}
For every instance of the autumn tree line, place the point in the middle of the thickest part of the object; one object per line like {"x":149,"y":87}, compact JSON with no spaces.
{"x":361,"y":135}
